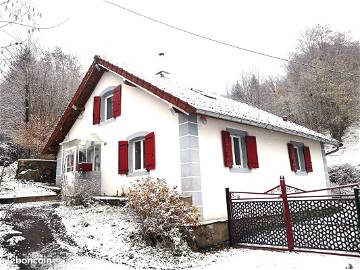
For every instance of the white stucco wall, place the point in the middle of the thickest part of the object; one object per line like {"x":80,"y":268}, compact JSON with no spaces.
{"x":140,"y":111}
{"x":273,"y":162}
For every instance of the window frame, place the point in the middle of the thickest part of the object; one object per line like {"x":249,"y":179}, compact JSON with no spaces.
{"x":241,"y":165}
{"x":67,"y":152}
{"x":243,"y":168}
{"x":300,"y":159}
{"x":142,"y":155}
{"x":106,"y":107}
{"x":131,"y":139}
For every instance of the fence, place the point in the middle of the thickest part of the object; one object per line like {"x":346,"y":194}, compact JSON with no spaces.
{"x":286,"y":216}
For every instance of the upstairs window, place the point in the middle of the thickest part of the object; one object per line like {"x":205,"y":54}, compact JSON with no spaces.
{"x":109,"y":107}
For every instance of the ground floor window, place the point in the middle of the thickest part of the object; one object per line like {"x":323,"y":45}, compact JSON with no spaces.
{"x":81,"y":151}
{"x":237,"y":150}
{"x":139,"y":155}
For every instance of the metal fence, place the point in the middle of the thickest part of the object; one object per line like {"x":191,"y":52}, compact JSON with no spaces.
{"x":299,"y":220}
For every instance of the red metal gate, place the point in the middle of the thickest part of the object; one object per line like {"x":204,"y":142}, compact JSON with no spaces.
{"x":285,"y":216}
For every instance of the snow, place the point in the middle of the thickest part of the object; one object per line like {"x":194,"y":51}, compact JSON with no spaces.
{"x":104,"y":198}
{"x":11,"y":187}
{"x":111,"y":237}
{"x":222,"y":107}
{"x":349,"y":152}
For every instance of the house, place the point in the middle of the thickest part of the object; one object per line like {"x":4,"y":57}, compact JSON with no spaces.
{"x":120,"y":126}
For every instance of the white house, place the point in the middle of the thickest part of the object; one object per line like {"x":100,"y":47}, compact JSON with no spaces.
{"x":123,"y":127}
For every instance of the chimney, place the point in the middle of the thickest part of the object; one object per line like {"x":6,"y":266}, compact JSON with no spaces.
{"x":284,"y":118}
{"x":162,"y":72}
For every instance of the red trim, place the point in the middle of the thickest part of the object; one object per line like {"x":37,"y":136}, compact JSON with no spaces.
{"x":294,"y":167}
{"x":287,"y":217}
{"x":252,"y":156}
{"x":123,"y":167}
{"x":227,"y":149}
{"x":116,"y":102}
{"x":150,"y":151}
{"x":85,"y":90}
{"x":307,"y":159}
{"x":96,"y":110}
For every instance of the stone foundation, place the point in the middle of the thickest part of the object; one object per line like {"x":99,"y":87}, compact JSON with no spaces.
{"x":211,"y":234}
{"x":39,"y":170}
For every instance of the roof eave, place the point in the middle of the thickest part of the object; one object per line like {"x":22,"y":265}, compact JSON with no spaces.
{"x":268,"y":126}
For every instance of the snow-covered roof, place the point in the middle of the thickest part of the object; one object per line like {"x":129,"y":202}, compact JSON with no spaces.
{"x":184,"y":98}
{"x":224,"y":108}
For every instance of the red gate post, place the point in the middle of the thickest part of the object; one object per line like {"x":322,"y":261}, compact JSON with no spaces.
{"x":287,"y":217}
{"x":229,"y":216}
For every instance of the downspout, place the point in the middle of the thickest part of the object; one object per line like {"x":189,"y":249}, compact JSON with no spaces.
{"x":334,"y":150}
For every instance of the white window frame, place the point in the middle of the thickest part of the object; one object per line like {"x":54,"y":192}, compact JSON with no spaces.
{"x":106,"y":116}
{"x":66,"y":154}
{"x":142,"y":165}
{"x":233,"y":151}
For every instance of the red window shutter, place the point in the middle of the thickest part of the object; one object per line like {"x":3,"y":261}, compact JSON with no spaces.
{"x":307,"y":159}
{"x":227,"y":149}
{"x":150,"y":151}
{"x":116,"y":110}
{"x":294,"y":167}
{"x":96,"y":110}
{"x":123,"y":166}
{"x":251,"y":148}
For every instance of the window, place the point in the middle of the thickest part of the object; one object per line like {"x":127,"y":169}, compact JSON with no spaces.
{"x":69,"y":160}
{"x":237,"y":151}
{"x":297,"y":157}
{"x":300,"y":157}
{"x":109,"y":107}
{"x":138,"y":155}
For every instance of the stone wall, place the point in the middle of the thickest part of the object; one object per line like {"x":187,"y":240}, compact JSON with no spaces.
{"x":211,"y":234}
{"x":39,"y":170}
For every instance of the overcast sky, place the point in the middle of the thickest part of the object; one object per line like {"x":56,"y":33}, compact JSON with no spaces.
{"x":273,"y":27}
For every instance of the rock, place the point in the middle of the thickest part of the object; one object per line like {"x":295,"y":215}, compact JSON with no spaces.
{"x":30,"y":175}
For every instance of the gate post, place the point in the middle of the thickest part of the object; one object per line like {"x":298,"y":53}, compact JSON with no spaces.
{"x":357,"y":204}
{"x":287,"y":217}
{"x":229,"y":216}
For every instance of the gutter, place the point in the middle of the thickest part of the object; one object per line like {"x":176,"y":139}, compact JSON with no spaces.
{"x":334,"y":150}
{"x":272,"y":127}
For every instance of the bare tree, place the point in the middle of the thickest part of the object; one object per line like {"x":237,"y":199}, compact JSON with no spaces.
{"x":263,"y":95}
{"x":35,"y":92}
{"x":325,"y":98}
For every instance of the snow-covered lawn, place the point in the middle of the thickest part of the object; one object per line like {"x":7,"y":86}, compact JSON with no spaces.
{"x":349,"y":152}
{"x":12,"y":187}
{"x":110,"y":233}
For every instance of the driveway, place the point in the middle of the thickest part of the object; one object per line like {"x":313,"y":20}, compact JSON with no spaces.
{"x":38,"y":239}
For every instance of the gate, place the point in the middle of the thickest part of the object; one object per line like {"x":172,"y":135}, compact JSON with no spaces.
{"x":286,"y":216}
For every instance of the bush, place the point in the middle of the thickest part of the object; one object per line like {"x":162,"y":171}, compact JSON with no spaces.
{"x":164,"y":217}
{"x":344,"y":174}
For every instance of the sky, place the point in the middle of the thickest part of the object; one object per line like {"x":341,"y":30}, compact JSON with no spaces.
{"x":273,"y":27}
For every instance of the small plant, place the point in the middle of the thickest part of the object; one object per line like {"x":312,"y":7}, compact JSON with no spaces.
{"x":164,"y":217}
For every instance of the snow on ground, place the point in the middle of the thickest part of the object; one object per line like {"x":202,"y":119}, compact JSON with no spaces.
{"x":110,"y":233}
{"x":12,"y":187}
{"x":349,"y":152}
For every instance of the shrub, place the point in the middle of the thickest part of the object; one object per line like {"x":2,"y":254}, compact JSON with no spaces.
{"x":344,"y":174}
{"x":164,"y":217}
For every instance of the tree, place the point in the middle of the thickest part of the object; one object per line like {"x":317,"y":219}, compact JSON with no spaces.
{"x":262,"y":95}
{"x":35,"y":92}
{"x":17,"y":20}
{"x":326,"y":97}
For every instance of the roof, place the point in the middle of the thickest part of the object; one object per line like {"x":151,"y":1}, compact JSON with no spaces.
{"x":186,"y":99}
